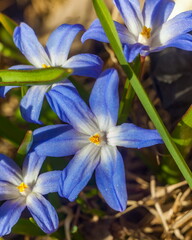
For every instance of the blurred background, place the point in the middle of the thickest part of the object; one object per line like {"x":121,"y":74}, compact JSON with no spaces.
{"x":159,"y":207}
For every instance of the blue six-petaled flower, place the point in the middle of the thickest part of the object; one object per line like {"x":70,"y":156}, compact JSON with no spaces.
{"x":54,"y":54}
{"x":24,"y":188}
{"x":147,"y":30}
{"x":92,"y":135}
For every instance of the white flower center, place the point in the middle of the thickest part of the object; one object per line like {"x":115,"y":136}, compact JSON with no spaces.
{"x":144,"y":36}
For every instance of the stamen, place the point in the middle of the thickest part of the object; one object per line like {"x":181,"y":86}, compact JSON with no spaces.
{"x":146,"y":32}
{"x":22,"y":187}
{"x":95,"y":139}
{"x":45,"y":66}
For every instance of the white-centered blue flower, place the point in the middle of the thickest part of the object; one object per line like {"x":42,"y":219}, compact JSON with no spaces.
{"x":147,"y":30}
{"x":92,"y":135}
{"x":24,"y":188}
{"x":54,"y":54}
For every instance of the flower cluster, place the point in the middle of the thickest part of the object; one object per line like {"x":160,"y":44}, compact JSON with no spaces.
{"x":90,"y":133}
{"x":54,"y":54}
{"x":147,"y":30}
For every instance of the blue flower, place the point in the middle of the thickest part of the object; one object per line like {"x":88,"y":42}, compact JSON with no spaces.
{"x":147,"y":30}
{"x":54,"y":54}
{"x":24,"y":188}
{"x":92,"y":135}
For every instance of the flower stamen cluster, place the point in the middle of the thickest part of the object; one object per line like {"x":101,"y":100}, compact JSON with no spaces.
{"x":22,"y":187}
{"x":95,"y":139}
{"x":45,"y":66}
{"x":146,"y":32}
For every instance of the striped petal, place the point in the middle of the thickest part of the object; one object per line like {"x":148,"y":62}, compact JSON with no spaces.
{"x":88,"y":65}
{"x":9,"y":170}
{"x":110,"y":178}
{"x":31,"y":167}
{"x":96,"y":32}
{"x":10,"y":212}
{"x":47,"y":182}
{"x":156,"y":12}
{"x":104,"y":99}
{"x":131,"y":13}
{"x":8,"y":191}
{"x":27,"y":42}
{"x":32,"y":102}
{"x":43,"y":212}
{"x":70,"y":107}
{"x":130,"y":136}
{"x":57,"y":141}
{"x":78,"y":172}
{"x":59,"y":42}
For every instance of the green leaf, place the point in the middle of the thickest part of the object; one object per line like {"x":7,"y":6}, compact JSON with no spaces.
{"x":41,"y":76}
{"x":26,"y":143}
{"x":8,"y":23}
{"x":182,"y":134}
{"x":108,"y":25}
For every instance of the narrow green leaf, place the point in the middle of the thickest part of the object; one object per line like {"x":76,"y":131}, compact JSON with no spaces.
{"x":182,"y":134}
{"x":8,"y":23}
{"x":26,"y":143}
{"x":108,"y":25}
{"x":41,"y":76}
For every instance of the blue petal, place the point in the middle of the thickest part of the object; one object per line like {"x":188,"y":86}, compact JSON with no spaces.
{"x":8,"y":191}
{"x":43,"y":212}
{"x":9,"y":170}
{"x":47,"y":182}
{"x":104,"y":99}
{"x":131,"y":13}
{"x":10,"y":213}
{"x":4,"y":90}
{"x":32,"y":102}
{"x":78,"y":172}
{"x":27,"y":42}
{"x":179,"y":25}
{"x":131,"y":136}
{"x":59,"y":42}
{"x":88,"y":65}
{"x":183,"y":42}
{"x":69,"y":106}
{"x":57,"y":141}
{"x":110,"y":178}
{"x":132,"y":51}
{"x":96,"y":32}
{"x":31,"y":167}
{"x":156,"y":12}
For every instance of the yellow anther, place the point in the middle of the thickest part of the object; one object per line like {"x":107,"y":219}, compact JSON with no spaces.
{"x":146,"y":32}
{"x":22,"y":187}
{"x":95,"y":139}
{"x":45,"y":66}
